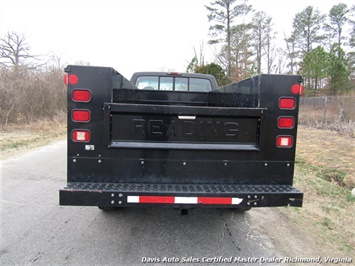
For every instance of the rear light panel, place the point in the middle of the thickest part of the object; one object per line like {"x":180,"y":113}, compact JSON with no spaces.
{"x":286,"y":122}
{"x":81,"y":135}
{"x":83,"y":116}
{"x":287,"y":103}
{"x":81,"y":96}
{"x":284,"y":141}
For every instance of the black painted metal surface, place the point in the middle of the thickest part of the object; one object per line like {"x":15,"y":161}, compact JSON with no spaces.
{"x":225,"y":137}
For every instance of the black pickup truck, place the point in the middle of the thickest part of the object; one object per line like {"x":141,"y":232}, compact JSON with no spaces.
{"x":172,"y":139}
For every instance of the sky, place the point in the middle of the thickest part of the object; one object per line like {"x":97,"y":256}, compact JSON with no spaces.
{"x":130,"y":35}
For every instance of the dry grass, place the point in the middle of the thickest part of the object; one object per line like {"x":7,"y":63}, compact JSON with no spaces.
{"x":325,"y":173}
{"x":16,"y":138}
{"x":329,"y":153}
{"x":337,"y":115}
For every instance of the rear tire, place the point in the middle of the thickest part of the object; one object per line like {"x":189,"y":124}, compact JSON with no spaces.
{"x":241,"y":209}
{"x":107,"y":209}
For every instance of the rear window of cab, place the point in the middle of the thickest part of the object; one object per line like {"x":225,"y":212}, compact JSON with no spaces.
{"x":173,"y":84}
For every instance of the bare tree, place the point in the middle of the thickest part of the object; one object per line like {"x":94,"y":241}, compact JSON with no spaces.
{"x":260,"y":24}
{"x":197,"y":60}
{"x":14,"y":50}
{"x":291,"y":52}
{"x":281,"y":61}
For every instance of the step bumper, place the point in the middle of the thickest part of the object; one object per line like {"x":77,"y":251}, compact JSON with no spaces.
{"x":179,"y":195}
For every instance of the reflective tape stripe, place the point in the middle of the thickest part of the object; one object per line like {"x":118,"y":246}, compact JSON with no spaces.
{"x":156,"y":199}
{"x":184,"y":200}
{"x":210,"y":200}
{"x":133,"y":199}
{"x":236,"y":201}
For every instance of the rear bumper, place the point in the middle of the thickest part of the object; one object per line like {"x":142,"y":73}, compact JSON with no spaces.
{"x":179,"y":195}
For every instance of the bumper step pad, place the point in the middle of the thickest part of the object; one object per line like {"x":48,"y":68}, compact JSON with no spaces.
{"x":179,"y":195}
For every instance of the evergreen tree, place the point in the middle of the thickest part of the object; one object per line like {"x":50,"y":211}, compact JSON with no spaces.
{"x":338,"y":18}
{"x":307,"y":25}
{"x":314,"y":67}
{"x":337,"y":71}
{"x":214,"y":70}
{"x":223,"y":13}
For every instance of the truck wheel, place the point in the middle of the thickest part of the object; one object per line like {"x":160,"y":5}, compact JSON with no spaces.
{"x":107,"y":209}
{"x":241,"y":209}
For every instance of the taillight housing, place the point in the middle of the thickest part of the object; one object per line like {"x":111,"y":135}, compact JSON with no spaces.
{"x":83,"y":116}
{"x":81,"y":96}
{"x":285,"y":122}
{"x":284,"y":141}
{"x":287,"y":103}
{"x":81,"y":135}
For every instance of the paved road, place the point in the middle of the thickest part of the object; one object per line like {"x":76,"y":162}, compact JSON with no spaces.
{"x":36,"y":231}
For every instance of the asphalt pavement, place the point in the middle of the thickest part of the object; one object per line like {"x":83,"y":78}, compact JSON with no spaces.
{"x":35,"y":230}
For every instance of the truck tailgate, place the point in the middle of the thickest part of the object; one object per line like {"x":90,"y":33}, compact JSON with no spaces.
{"x":176,"y":127}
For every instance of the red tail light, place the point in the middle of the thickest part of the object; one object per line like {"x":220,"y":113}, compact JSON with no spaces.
{"x":287,"y":103}
{"x":286,"y":122}
{"x":284,"y":141}
{"x":70,"y":79}
{"x":297,"y":89}
{"x":81,"y":135}
{"x":73,"y":79}
{"x":81,"y":116}
{"x":81,"y":96}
